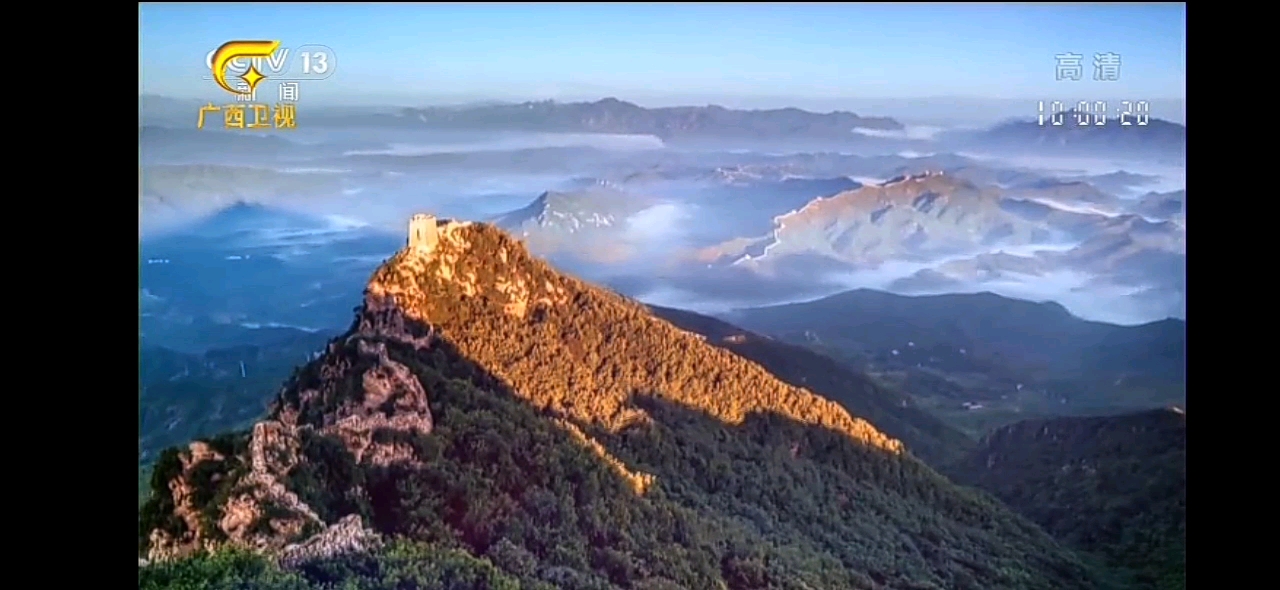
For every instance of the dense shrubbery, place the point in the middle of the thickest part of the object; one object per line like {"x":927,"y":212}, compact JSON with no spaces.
{"x":403,"y":565}
{"x":1115,"y":486}
{"x":325,"y":477}
{"x":157,"y":511}
{"x":212,"y":482}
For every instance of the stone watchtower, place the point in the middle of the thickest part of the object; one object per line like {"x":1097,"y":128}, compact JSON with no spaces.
{"x":422,"y":232}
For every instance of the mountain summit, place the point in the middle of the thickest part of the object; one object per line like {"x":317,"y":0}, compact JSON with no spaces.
{"x":488,"y":418}
{"x":589,"y":223}
{"x":910,"y":216}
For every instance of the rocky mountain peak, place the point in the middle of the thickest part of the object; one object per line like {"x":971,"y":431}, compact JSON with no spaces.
{"x":470,"y":262}
{"x":481,"y":274}
{"x":908,"y":178}
{"x":484,"y":398}
{"x":361,"y":396}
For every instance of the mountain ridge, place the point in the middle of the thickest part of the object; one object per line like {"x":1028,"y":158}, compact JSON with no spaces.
{"x":907,"y":216}
{"x":895,"y":413}
{"x":446,"y":415}
{"x":397,"y":280}
{"x":782,"y":317}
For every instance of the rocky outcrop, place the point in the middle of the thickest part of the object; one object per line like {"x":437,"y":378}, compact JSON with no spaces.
{"x":357,"y":393}
{"x":182,"y":489}
{"x":348,"y":535}
{"x":273,"y":452}
{"x":260,"y":512}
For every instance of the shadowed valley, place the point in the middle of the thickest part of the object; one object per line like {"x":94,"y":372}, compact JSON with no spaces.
{"x":1115,"y":486}
{"x":981,"y":360}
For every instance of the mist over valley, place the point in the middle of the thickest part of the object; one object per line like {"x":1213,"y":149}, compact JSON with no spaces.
{"x":707,"y":226}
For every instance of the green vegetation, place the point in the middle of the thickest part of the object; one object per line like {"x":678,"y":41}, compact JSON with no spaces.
{"x":1113,"y":486}
{"x":977,"y":404}
{"x":212,"y":481}
{"x":982,"y":361}
{"x":403,"y":565}
{"x":183,"y":397}
{"x":1004,"y":368}
{"x":503,"y":480}
{"x":144,"y":485}
{"x":897,"y":414}
{"x":581,"y":443}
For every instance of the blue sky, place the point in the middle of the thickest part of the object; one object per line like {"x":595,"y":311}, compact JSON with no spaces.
{"x":406,"y":52}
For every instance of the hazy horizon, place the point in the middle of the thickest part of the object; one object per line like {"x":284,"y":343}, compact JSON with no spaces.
{"x":951,"y":67}
{"x":972,"y":62}
{"x":935,"y":110}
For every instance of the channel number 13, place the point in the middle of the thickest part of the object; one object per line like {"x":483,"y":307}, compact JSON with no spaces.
{"x":318,"y":62}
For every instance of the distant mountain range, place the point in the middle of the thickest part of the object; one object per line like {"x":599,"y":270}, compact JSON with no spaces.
{"x":594,"y":222}
{"x":203,"y":281}
{"x":1122,"y":250}
{"x":1035,"y":334}
{"x":181,"y":144}
{"x":1013,"y":357}
{"x":608,"y":115}
{"x":611,"y":115}
{"x":1116,"y":183}
{"x":789,"y":128}
{"x":927,"y":217}
{"x":1170,"y":205}
{"x":909,"y":217}
{"x":206,"y":188}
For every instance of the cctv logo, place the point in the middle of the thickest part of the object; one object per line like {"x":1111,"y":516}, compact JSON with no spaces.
{"x":269,"y":60}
